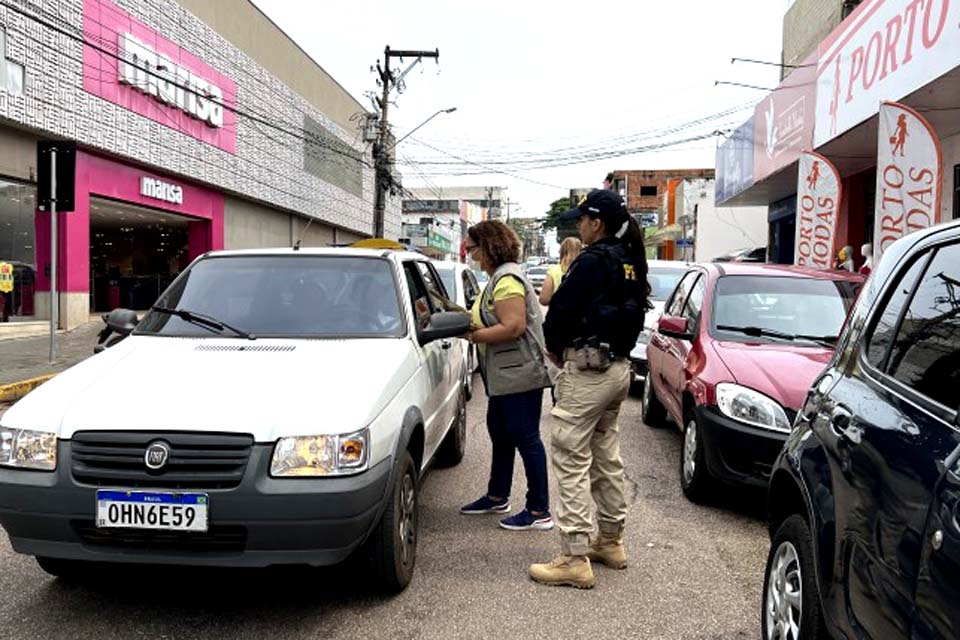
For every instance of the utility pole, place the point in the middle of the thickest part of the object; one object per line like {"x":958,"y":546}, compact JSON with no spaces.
{"x":383,"y":158}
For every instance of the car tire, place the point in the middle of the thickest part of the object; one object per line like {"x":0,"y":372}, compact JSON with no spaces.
{"x":790,"y":568}
{"x":454,"y":444}
{"x":468,"y":385}
{"x":653,"y":414}
{"x":695,"y":479}
{"x":61,"y":568}
{"x":393,"y":544}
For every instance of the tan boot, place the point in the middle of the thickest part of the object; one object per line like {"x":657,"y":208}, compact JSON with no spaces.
{"x":608,"y":552}
{"x":572,"y":571}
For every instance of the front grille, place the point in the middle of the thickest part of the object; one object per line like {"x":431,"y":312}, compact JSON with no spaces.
{"x":218,"y":538}
{"x":244,"y":347}
{"x":196,"y":460}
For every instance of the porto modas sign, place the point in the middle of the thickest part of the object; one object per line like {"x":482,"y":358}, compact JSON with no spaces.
{"x":818,"y":207}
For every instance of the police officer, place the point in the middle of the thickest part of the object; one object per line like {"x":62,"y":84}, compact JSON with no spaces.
{"x":592,"y":324}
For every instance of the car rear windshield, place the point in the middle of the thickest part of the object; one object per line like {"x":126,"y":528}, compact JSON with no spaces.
{"x":284,"y":296}
{"x":663,"y":281}
{"x":794,"y":306}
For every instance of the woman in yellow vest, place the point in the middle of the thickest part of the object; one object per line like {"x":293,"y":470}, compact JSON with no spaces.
{"x":569,"y":250}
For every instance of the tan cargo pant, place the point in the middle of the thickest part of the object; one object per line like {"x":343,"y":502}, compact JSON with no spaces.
{"x":586,"y":452}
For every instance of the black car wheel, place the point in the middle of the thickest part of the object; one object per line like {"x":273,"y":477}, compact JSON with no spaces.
{"x":468,"y":383}
{"x":791,"y":597}
{"x":653,"y":414}
{"x":393,"y":545}
{"x":694,"y":476}
{"x":454,"y":445}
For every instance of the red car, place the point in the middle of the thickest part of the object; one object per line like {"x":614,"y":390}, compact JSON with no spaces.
{"x":732,"y":358}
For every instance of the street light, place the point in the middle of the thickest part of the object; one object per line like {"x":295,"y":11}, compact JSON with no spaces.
{"x":450,"y":110}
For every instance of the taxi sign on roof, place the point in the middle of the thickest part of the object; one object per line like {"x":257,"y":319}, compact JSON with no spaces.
{"x":378,"y":243}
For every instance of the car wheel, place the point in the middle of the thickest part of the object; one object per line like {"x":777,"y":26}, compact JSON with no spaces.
{"x":791,"y":596}
{"x":654,"y":414}
{"x":454,"y":445}
{"x":468,"y":383}
{"x":694,"y":475}
{"x":393,"y":545}
{"x":60,"y":568}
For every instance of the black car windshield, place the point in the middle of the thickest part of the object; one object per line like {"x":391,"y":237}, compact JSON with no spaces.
{"x":780,"y":308}
{"x":449,"y":277}
{"x":283,"y":296}
{"x":662,"y":282}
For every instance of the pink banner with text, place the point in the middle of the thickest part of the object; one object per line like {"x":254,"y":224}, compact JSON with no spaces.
{"x":818,"y":209}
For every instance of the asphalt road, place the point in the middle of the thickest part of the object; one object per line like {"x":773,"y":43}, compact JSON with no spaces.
{"x":695,"y":572}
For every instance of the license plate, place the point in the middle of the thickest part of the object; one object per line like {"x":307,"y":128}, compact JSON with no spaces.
{"x":152,"y":510}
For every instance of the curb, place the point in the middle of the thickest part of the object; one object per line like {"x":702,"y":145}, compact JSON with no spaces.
{"x":16,"y":390}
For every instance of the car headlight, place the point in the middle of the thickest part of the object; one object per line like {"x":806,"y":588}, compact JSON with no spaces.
{"x":751,"y":407}
{"x":27,"y":449}
{"x":321,"y":455}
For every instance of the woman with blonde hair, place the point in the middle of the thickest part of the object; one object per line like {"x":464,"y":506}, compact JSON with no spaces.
{"x":569,"y":250}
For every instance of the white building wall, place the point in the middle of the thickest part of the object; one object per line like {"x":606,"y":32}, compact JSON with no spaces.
{"x":719,"y":230}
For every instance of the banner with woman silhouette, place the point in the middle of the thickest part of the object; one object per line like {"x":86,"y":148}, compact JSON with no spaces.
{"x":818,"y":207}
{"x":909,"y":176}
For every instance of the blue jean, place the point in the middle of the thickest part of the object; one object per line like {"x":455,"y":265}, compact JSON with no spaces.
{"x":513,"y":422}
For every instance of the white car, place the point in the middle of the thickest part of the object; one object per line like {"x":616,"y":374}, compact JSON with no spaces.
{"x":537,"y":275}
{"x":663,"y":276}
{"x":462,"y":289}
{"x":275,"y":407}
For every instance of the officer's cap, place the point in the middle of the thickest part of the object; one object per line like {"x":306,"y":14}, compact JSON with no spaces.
{"x":603,"y":204}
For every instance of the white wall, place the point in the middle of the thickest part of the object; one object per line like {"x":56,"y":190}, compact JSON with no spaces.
{"x":720,"y":230}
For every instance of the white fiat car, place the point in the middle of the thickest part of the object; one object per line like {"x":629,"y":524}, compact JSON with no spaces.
{"x":274,"y":407}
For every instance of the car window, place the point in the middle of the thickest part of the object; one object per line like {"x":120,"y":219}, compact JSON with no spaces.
{"x":879,"y":344}
{"x":926,"y":352}
{"x":680,"y":294}
{"x":418,"y":294}
{"x":691,"y":310}
{"x":662,"y":282}
{"x":469,"y":286}
{"x":438,"y":297}
{"x":284,"y":296}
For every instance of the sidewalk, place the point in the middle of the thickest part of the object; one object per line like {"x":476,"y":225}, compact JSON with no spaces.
{"x":27,"y":358}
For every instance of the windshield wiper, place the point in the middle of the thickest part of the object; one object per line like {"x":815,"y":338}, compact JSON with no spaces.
{"x":758,"y":332}
{"x":202,"y":320}
{"x":827,"y":341}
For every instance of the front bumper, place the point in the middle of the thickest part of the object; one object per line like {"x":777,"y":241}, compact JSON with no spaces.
{"x":638,"y":360}
{"x":262,"y":521}
{"x":736,"y":452}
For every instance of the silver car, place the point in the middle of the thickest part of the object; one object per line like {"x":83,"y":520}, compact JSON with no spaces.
{"x":663,"y":276}
{"x":462,"y":288}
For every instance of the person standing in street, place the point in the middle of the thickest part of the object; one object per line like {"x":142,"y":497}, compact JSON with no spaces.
{"x":569,"y":250}
{"x":592,"y":324}
{"x":507,"y":326}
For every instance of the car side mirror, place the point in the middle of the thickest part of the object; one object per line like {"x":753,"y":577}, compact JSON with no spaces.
{"x":122,"y":321}
{"x":446,"y":324}
{"x":674,"y":327}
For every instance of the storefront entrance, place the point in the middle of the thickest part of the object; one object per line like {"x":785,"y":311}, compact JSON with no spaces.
{"x":135,"y":252}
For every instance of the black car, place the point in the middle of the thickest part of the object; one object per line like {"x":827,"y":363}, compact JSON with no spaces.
{"x":864,"y":500}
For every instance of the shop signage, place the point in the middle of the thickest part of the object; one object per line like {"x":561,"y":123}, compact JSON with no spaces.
{"x":160,"y":190}
{"x":885,"y":50}
{"x":6,"y":277}
{"x":735,"y":163}
{"x":783,"y":121}
{"x":909,"y":168}
{"x":439,"y":242}
{"x":818,"y":207}
{"x":158,"y":76}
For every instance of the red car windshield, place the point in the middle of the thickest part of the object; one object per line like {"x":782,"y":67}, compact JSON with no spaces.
{"x":781,"y":308}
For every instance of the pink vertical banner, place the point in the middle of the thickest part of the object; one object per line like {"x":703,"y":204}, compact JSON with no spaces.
{"x":909,"y":176}
{"x":818,"y":209}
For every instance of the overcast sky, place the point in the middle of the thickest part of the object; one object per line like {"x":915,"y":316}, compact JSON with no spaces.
{"x":547,"y":81}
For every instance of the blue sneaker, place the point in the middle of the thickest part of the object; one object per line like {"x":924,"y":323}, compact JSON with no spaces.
{"x":486,"y":505}
{"x":526,"y":521}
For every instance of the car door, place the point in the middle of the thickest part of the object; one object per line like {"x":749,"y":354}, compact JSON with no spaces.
{"x":886,"y":434}
{"x":470,"y":290}
{"x":451,"y":354}
{"x":677,"y":380}
{"x":669,"y":354}
{"x":433,"y":356}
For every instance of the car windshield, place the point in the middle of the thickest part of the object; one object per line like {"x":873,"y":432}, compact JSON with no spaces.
{"x":537,"y":271}
{"x":283,"y":296}
{"x":662,"y":282}
{"x":781,"y":307}
{"x":449,"y":277}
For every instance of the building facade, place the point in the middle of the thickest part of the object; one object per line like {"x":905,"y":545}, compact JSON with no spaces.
{"x":200,"y":125}
{"x":806,"y":24}
{"x":885,"y":50}
{"x":710,"y":231}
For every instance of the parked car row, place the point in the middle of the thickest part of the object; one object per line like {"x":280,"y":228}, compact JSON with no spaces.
{"x":841,"y":398}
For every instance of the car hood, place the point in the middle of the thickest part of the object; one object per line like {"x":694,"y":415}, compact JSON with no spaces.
{"x":271,"y":388}
{"x":783,"y":372}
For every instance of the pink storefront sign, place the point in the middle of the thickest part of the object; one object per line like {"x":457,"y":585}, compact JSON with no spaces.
{"x":131,"y":65}
{"x":783,"y":121}
{"x":101,"y":177}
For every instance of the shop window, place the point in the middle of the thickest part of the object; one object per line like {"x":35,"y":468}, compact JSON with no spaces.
{"x":17,"y":252}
